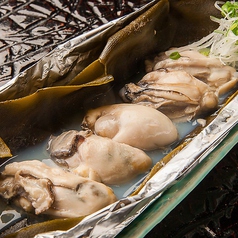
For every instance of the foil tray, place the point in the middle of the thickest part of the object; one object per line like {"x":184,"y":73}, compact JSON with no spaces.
{"x":36,"y":32}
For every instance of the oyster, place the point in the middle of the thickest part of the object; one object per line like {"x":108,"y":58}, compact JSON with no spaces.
{"x":207,"y":69}
{"x":98,"y":158}
{"x":177,"y":94}
{"x":136,"y":125}
{"x":182,"y":88}
{"x":39,"y":188}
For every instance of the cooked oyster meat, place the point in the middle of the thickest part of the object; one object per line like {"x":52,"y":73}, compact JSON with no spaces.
{"x":182,"y":88}
{"x":98,"y":158}
{"x":210,"y":70}
{"x":177,"y":94}
{"x":38,"y":188}
{"x":136,"y":125}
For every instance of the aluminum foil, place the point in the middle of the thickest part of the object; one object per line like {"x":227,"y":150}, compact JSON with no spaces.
{"x":56,"y":64}
{"x":60,"y":63}
{"x":31,"y":29}
{"x":109,"y":221}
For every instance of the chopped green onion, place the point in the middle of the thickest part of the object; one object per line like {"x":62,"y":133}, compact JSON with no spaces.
{"x":205,"y":51}
{"x":175,"y":55}
{"x":230,"y":8}
{"x":234,"y":28}
{"x":222,"y":42}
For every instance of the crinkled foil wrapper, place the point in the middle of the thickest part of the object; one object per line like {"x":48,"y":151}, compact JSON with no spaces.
{"x":44,"y":39}
{"x":109,"y":221}
{"x":31,"y":29}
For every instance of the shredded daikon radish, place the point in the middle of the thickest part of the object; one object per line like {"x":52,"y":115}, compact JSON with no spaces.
{"x":222,"y":43}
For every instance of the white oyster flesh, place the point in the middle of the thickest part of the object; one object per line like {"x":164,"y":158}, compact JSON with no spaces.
{"x":177,"y":94}
{"x":136,"y":125}
{"x":210,"y":70}
{"x":39,"y":188}
{"x":99,"y":158}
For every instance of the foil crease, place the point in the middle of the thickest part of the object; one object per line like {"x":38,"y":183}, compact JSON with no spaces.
{"x":108,"y":222}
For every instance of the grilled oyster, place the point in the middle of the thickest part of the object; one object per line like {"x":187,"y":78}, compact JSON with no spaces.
{"x":135,"y":125}
{"x":207,"y":69}
{"x":39,"y":188}
{"x":98,"y":158}
{"x":182,"y":88}
{"x":177,"y":94}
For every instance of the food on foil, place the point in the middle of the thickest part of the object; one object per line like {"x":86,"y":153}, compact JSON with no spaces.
{"x":221,"y":78}
{"x":98,"y":158}
{"x":183,"y":87}
{"x":115,"y":62}
{"x":175,"y":93}
{"x":135,"y":125}
{"x":38,"y":188}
